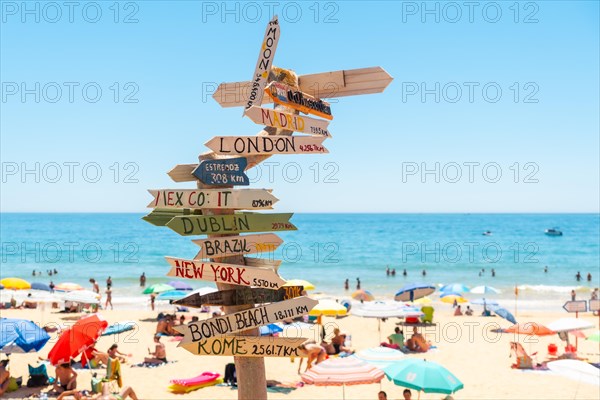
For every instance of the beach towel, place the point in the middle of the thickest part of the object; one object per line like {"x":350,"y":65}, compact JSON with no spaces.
{"x":113,"y":371}
{"x":151,"y":365}
{"x":179,"y":389}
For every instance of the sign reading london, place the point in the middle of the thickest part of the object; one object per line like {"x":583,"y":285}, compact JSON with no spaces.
{"x":290,"y":97}
{"x":239,"y":199}
{"x":241,"y":296}
{"x":229,"y":171}
{"x":251,"y":145}
{"x":245,"y":320}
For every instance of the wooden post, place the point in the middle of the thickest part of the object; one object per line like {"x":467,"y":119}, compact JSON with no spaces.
{"x":251,"y":376}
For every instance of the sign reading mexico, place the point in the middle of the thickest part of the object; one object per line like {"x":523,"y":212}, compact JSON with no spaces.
{"x":251,"y":145}
{"x":225,"y":273}
{"x":282,"y":120}
{"x":290,"y":97}
{"x":244,"y":320}
{"x":247,"y":346}
{"x":240,"y":199}
{"x":264,"y":63}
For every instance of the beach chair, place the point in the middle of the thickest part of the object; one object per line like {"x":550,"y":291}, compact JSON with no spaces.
{"x":428,"y":317}
{"x":38,"y":376}
{"x":524,"y":361}
{"x":113,"y":374}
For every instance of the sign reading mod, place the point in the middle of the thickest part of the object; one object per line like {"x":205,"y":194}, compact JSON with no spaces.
{"x":213,"y":198}
{"x":246,"y":346}
{"x":241,"y":296}
{"x":226,"y":246}
{"x":245,"y":320}
{"x":229,"y":172}
{"x":282,"y":120}
{"x":575,"y":306}
{"x":247,"y":145}
{"x":235,"y":223}
{"x":225,"y":273}
{"x":290,"y":97}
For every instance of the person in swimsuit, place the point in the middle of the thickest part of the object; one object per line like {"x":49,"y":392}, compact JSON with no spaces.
{"x":159,"y":356}
{"x":338,"y":342}
{"x":4,"y":377}
{"x":66,"y":378}
{"x":313,"y":351}
{"x":126,"y":393}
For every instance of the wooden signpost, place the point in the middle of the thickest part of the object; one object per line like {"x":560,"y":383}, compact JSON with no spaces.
{"x":283,"y":120}
{"x":247,"y":145}
{"x":238,"y":199}
{"x":235,"y":223}
{"x":226,"y":172}
{"x":225,"y":246}
{"x":224,"y":273}
{"x":244,"y":320}
{"x":287,"y":96}
{"x":576,"y":306}
{"x":247,"y":346}
{"x":241,"y":296}
{"x":264,"y":63}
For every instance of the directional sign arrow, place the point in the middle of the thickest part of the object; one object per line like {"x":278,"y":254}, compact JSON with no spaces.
{"x":227,"y":171}
{"x":244,"y":320}
{"x":290,"y":97}
{"x":575,"y":306}
{"x":226,"y":246}
{"x":264,"y":63}
{"x":325,"y":85}
{"x":250,"y":145}
{"x":224,"y":273}
{"x":241,"y":296}
{"x":235,"y":199}
{"x":282,"y":120}
{"x":234,"y":223}
{"x":246,"y":346}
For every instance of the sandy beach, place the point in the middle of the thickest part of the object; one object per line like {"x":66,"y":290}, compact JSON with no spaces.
{"x":467,"y":346}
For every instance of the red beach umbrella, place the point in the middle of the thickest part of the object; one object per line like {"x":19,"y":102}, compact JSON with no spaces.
{"x":77,"y":338}
{"x":529,"y":328}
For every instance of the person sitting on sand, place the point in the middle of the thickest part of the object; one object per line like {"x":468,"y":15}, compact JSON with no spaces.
{"x":4,"y":377}
{"x":127,"y":392}
{"x":458,"y":311}
{"x":338,"y":341}
{"x":313,"y":351}
{"x":116,"y":354}
{"x":159,"y":356}
{"x":468,"y":311}
{"x":396,"y":339}
{"x":417,"y":342}
{"x":28,"y":303}
{"x":66,"y":378}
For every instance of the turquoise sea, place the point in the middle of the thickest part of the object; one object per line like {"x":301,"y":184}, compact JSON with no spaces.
{"x":326,"y":249}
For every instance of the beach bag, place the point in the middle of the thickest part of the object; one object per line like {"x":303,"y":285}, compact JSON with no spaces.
{"x":96,"y":385}
{"x":230,"y":375}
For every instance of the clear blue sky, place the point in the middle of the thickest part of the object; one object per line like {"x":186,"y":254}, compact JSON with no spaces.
{"x":550,"y":127}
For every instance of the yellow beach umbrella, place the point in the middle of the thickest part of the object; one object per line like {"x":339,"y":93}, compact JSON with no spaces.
{"x":450,"y":298}
{"x":300,"y":282}
{"x":423,"y":301}
{"x":328,"y":307}
{"x":15,"y":284}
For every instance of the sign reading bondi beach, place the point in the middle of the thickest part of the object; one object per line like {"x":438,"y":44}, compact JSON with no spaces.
{"x":226,"y":246}
{"x":247,"y":145}
{"x":290,"y":97}
{"x":247,"y":346}
{"x":245,"y":320}
{"x":282,"y":120}
{"x":241,"y":296}
{"x":264,"y":63}
{"x":229,"y":171}
{"x":239,"y":199}
{"x":234,"y":223}
{"x":225,"y":273}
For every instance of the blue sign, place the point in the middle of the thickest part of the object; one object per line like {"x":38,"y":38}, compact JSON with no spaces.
{"x":227,"y":172}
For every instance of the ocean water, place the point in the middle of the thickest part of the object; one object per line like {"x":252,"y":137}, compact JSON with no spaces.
{"x":326,"y":250}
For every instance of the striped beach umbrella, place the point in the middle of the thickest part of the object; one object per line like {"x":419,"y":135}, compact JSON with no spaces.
{"x":380,"y":357}
{"x":363,"y":295}
{"x":414,"y":291}
{"x":158,"y":288}
{"x":67,"y":287}
{"x":455,"y":288}
{"x":485,"y":290}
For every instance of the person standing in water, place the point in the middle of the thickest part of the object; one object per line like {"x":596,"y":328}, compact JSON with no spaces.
{"x":346,"y":284}
{"x":357,"y":283}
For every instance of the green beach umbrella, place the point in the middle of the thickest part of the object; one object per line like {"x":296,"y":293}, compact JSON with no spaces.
{"x":158,"y":288}
{"x":594,"y":337}
{"x":422,"y":375}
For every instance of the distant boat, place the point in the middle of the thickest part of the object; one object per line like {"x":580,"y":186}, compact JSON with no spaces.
{"x":553,"y":232}
{"x":487,"y":233}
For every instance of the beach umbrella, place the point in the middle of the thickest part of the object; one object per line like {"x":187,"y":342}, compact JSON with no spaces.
{"x":15,"y":284}
{"x":328,"y":307}
{"x":82,"y":296}
{"x":158,"y":288}
{"x":450,"y":298}
{"x":529,"y":328}
{"x":423,"y":301}
{"x":380,"y":357}
{"x":576,"y":370}
{"x":40,"y":286}
{"x":414,"y":291}
{"x":270,"y":329}
{"x":300,"y":282}
{"x":454,"y":288}
{"x":569,"y":324}
{"x":67,"y":287}
{"x":204,"y":290}
{"x":77,"y":338}
{"x":363,"y":295}
{"x":384,"y":309}
{"x":484,"y":302}
{"x":21,"y":336}
{"x":504,"y":313}
{"x":179,"y":285}
{"x":422,"y":375}
{"x":119,"y":327}
{"x":341,"y":372}
{"x":594,"y":337}
{"x":172,"y":295}
{"x":484,"y":290}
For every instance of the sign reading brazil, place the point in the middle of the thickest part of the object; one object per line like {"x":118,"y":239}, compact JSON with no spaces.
{"x":228,"y":171}
{"x":240,"y":297}
{"x":247,"y":145}
{"x":225,"y":273}
{"x":225,"y":246}
{"x":290,"y":97}
{"x":246,"y":346}
{"x":239,"y":199}
{"x":245,"y":320}
{"x":282,"y":120}
{"x":235,"y":223}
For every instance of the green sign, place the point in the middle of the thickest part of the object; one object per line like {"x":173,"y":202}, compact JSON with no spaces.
{"x":234,"y":223}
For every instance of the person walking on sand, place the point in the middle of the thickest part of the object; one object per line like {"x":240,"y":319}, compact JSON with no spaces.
{"x":573,"y":295}
{"x":152,"y":298}
{"x":95,"y":286}
{"x":108,"y":282}
{"x":108,"y":298}
{"x":143,"y":280}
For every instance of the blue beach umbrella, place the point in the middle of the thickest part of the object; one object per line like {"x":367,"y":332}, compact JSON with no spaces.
{"x":21,"y":336}
{"x":504,"y":313}
{"x":270,"y":329}
{"x":454,"y":287}
{"x":484,"y":290}
{"x":414,"y":291}
{"x":422,"y":375}
{"x":40,"y":286}
{"x":179,"y":285}
{"x":172,"y":295}
{"x":484,"y":302}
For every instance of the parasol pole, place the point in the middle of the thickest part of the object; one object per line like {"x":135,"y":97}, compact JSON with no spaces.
{"x":516,"y":298}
